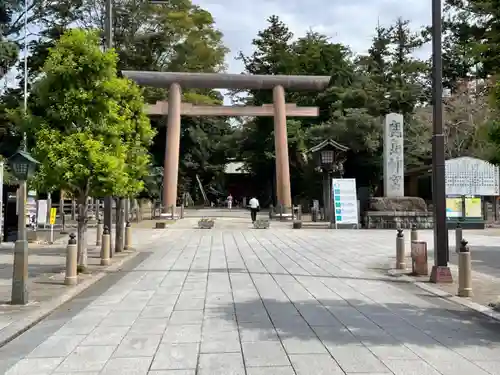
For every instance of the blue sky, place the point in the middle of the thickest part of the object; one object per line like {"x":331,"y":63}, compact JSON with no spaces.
{"x":351,"y":22}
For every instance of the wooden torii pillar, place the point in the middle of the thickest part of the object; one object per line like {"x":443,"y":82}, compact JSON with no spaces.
{"x":280,"y":110}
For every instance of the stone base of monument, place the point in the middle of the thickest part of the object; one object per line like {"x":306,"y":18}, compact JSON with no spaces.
{"x":400,"y":212}
{"x":441,"y":275}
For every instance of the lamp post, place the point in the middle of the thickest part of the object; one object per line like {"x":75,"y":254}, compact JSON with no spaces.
{"x":329,"y":160}
{"x":440,"y":270}
{"x":23,"y":167}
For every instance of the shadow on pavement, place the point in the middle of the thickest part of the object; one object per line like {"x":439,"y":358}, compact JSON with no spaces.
{"x":343,"y":322}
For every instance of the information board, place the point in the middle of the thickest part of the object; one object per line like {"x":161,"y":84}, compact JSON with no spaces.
{"x":473,"y":207}
{"x":454,"y":207}
{"x":345,"y":201}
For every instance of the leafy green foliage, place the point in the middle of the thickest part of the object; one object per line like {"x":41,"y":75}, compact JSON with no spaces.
{"x":8,"y":48}
{"x":91,"y":134}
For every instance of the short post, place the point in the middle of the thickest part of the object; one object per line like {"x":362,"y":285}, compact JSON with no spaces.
{"x":414,"y":233}
{"x":128,"y":236}
{"x":182,"y":211}
{"x":105,"y":247}
{"x":458,"y":237}
{"x":98,"y":232}
{"x":400,"y":250}
{"x":464,"y":271}
{"x":71,"y":261}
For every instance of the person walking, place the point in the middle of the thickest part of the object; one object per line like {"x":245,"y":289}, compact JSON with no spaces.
{"x":230,"y":201}
{"x":254,"y":208}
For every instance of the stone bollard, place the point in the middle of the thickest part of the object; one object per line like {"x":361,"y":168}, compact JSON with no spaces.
{"x":105,"y":247}
{"x":464,"y":271}
{"x":98,"y":232}
{"x":400,"y":250}
{"x":414,"y":233}
{"x":458,"y":237}
{"x":71,"y":277}
{"x":128,"y":237}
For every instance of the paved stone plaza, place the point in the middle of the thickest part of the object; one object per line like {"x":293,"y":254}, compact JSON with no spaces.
{"x":253,"y":302}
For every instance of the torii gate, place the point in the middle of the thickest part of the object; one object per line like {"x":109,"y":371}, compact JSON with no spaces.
{"x":280,"y":110}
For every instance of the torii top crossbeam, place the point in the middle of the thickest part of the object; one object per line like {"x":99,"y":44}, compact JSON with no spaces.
{"x":228,"y":81}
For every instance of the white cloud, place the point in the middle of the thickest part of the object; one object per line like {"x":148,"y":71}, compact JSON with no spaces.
{"x":351,"y":22}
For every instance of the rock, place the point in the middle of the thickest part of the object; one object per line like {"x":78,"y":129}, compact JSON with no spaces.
{"x":206,"y":223}
{"x":397,"y":204}
{"x":261,"y":224}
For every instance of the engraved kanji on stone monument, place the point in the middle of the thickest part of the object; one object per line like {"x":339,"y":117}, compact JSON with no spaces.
{"x":393,"y":155}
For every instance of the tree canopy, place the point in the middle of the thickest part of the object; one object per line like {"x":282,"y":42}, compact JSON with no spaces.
{"x":90,"y":132}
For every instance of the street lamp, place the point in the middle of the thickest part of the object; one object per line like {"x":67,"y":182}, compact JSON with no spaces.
{"x":440,"y":270}
{"x":329,"y":160}
{"x":23,"y":166}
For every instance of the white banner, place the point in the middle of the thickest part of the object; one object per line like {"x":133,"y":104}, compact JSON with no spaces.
{"x":42,"y":212}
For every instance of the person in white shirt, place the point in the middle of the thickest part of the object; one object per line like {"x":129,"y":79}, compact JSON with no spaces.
{"x":254,"y":208}
{"x":230,"y":201}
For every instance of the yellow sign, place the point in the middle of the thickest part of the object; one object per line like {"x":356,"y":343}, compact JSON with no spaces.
{"x":53,"y":216}
{"x":453,"y":207}
{"x":473,"y":207}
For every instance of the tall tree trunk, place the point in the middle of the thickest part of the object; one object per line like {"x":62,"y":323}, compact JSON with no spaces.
{"x":82,"y":231}
{"x":120,"y":225}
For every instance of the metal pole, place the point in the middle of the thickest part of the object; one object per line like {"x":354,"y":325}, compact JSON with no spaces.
{"x":1,"y":202}
{"x":440,"y":271}
{"x":108,"y":24}
{"x":20,"y":271}
{"x":108,"y":30}
{"x":25,"y":104}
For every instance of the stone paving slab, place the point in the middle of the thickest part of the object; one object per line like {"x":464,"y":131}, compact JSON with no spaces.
{"x":274,"y":302}
{"x":46,"y":284}
{"x":485,"y":254}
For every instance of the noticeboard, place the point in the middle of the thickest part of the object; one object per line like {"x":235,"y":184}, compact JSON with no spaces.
{"x":454,"y":207}
{"x":473,"y":207}
{"x":345,"y":200}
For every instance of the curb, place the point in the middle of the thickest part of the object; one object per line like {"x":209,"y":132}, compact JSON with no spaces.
{"x":19,"y":327}
{"x":484,"y":310}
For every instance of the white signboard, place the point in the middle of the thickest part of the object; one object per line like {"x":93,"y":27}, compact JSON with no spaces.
{"x":31,"y":208}
{"x":393,"y":156}
{"x":345,"y":201}
{"x":42,"y":212}
{"x":471,"y":176}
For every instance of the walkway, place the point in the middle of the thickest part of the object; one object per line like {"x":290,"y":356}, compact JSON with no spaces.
{"x":252,"y":302}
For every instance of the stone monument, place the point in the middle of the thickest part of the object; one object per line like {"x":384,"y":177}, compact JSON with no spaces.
{"x":394,"y":210}
{"x":393,"y":156}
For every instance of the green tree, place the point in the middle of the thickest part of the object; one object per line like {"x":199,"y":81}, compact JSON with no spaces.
{"x":174,"y":36}
{"x":272,"y":55}
{"x":276,"y":52}
{"x":89,"y":128}
{"x":8,"y":49}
